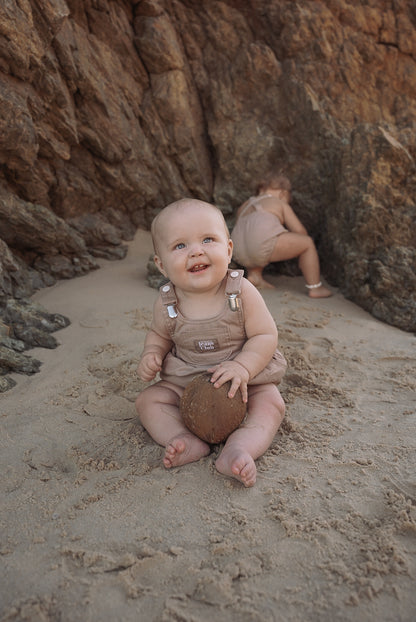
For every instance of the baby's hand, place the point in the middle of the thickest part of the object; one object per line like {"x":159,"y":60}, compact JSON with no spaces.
{"x":231,"y":370}
{"x":149,"y":365}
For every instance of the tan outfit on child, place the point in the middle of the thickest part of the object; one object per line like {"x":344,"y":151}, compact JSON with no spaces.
{"x":254,"y":234}
{"x":201,"y":344}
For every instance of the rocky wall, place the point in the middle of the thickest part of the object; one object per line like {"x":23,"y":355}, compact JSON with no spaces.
{"x":109,"y":109}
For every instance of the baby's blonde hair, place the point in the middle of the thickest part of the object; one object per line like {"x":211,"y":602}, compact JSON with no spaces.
{"x":275,"y":180}
{"x":177,"y":206}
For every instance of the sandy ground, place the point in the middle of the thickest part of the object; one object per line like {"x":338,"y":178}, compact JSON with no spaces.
{"x":93,"y":528}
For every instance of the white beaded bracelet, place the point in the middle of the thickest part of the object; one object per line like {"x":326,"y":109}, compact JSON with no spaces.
{"x":314,"y":286}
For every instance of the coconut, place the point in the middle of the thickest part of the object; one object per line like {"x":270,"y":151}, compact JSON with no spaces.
{"x":208,"y":412}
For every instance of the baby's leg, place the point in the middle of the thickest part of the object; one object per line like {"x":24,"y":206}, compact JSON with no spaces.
{"x":266,"y":410}
{"x":255,"y":276}
{"x":158,"y":409}
{"x":290,"y":245}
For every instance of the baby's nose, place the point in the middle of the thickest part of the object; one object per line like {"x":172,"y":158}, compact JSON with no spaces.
{"x":196,"y":249}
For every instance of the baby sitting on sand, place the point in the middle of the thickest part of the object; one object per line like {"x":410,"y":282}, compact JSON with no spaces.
{"x":193,"y":250}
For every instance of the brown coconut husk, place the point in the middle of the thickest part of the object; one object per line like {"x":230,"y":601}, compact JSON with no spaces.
{"x":208,"y":412}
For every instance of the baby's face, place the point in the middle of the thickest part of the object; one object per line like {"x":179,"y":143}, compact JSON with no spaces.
{"x":193,"y":247}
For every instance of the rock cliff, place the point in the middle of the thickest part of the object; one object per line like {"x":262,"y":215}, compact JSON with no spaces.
{"x":109,"y":109}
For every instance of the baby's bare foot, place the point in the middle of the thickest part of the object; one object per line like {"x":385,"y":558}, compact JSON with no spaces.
{"x":183,"y":449}
{"x":259,"y":282}
{"x":238,"y":464}
{"x":320,"y":292}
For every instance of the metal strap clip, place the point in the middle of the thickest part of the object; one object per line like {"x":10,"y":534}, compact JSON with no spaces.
{"x":172,"y":313}
{"x":234,"y":302}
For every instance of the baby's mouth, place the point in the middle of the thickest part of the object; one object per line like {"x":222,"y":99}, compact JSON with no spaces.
{"x":198,"y":268}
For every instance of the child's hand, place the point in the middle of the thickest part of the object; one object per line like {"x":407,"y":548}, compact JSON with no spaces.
{"x":231,"y":370}
{"x":149,"y":365}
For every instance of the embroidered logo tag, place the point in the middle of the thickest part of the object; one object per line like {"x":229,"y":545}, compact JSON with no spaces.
{"x":206,"y":345}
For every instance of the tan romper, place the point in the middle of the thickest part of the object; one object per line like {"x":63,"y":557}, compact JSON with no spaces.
{"x":254,"y":234}
{"x":201,"y":344}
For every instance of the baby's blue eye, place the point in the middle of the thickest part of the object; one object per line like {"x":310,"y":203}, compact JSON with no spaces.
{"x":180,"y":245}
{"x":207,"y":240}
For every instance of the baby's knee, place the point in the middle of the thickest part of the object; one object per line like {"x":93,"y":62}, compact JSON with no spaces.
{"x":272,"y":406}
{"x":154,"y":397}
{"x":139,"y":404}
{"x":279,"y":406}
{"x":143,"y":403}
{"x":310,"y":242}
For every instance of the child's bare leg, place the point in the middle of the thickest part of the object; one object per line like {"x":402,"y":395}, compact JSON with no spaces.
{"x":291,"y":245}
{"x":255,"y":276}
{"x":158,"y":410}
{"x":266,"y":410}
{"x":309,"y":265}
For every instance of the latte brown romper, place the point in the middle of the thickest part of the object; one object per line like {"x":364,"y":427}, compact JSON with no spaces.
{"x":201,"y":344}
{"x":254,"y":234}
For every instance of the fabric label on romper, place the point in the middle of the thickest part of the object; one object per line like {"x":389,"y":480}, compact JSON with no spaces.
{"x":206,"y":345}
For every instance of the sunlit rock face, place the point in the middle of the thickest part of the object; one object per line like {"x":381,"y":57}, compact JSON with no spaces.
{"x":110,"y":110}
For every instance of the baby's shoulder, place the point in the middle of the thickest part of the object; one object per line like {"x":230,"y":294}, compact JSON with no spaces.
{"x":248,"y":289}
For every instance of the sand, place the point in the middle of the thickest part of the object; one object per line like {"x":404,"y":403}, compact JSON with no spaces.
{"x":94,"y":528}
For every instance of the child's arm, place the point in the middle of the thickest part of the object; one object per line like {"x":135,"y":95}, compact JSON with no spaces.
{"x":259,"y":348}
{"x":281,"y":208}
{"x":157,"y":344}
{"x":291,"y":221}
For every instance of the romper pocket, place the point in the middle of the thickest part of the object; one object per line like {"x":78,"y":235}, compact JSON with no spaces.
{"x":210,"y":348}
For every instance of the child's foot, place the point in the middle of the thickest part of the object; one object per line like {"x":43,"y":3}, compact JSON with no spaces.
{"x":238,"y":464}
{"x":259,"y":282}
{"x":320,"y":292}
{"x":183,"y":449}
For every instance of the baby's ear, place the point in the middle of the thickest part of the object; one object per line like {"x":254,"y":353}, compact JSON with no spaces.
{"x":230,"y":249}
{"x":159,"y":264}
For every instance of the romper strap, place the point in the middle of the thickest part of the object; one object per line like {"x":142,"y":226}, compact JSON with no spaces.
{"x":252,"y":201}
{"x":249,"y":203}
{"x":167,"y":293}
{"x":233,"y":288}
{"x":233,"y":285}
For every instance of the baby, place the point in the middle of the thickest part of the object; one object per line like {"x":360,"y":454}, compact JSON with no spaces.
{"x":268,"y":230}
{"x":206,"y":303}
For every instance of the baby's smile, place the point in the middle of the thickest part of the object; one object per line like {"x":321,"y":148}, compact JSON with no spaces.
{"x":198,"y":268}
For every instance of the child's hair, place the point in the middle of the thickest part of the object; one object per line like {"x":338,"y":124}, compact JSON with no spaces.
{"x":275,"y":180}
{"x":176,"y":206}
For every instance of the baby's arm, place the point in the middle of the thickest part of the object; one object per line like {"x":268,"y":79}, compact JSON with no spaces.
{"x":291,"y":221}
{"x":154,"y":351}
{"x":260,"y":328}
{"x":281,"y":208}
{"x":259,"y":348}
{"x":157,"y":344}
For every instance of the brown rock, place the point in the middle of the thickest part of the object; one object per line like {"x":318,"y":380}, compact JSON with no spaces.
{"x":45,"y":241}
{"x":209,"y":412}
{"x":122,"y":107}
{"x":372,"y":235}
